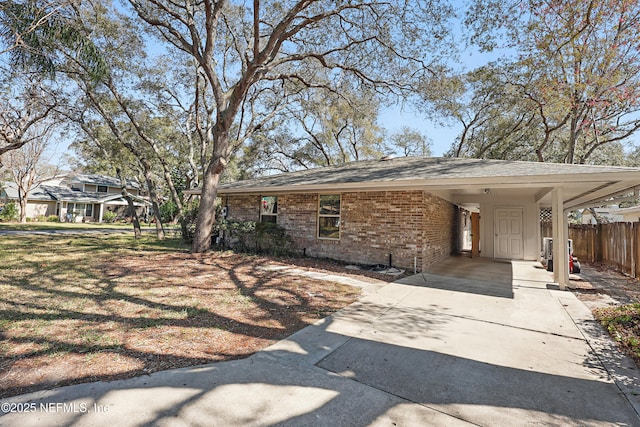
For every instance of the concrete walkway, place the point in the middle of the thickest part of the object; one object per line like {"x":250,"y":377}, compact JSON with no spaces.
{"x":459,"y":345}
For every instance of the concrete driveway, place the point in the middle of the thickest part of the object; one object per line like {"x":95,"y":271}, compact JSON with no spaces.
{"x":471,"y":342}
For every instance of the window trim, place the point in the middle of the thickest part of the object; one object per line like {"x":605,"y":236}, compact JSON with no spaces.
{"x":339,"y":216}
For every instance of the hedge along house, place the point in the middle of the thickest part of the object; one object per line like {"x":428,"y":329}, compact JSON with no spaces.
{"x":414,"y":211}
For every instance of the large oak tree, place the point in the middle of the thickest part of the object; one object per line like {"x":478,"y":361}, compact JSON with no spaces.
{"x":574,"y":63}
{"x":244,"y":47}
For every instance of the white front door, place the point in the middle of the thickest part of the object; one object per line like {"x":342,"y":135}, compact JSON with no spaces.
{"x":509,"y":239}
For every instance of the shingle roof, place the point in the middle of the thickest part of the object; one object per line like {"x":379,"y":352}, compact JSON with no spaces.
{"x":58,"y":193}
{"x":423,"y":169}
{"x":70,"y":195}
{"x":96,"y":179}
{"x":37,"y":193}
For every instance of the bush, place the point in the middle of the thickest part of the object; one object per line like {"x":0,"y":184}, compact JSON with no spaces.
{"x":245,"y":236}
{"x":109,"y":217}
{"x":9,"y":212}
{"x":188,"y":221}
{"x":168,"y":211}
{"x":44,"y":218}
{"x":261,"y":238}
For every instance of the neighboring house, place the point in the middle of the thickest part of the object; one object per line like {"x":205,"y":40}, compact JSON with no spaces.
{"x":613,"y":214}
{"x":413,"y":211}
{"x":78,"y":198}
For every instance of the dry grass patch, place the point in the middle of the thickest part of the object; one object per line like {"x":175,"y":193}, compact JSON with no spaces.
{"x":85,"y":308}
{"x":623,"y":324}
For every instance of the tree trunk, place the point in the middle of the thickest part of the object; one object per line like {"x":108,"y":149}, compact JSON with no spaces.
{"x":137,"y":231}
{"x":206,"y":213}
{"x":23,"y":209}
{"x":134,"y":215}
{"x":155,"y":205}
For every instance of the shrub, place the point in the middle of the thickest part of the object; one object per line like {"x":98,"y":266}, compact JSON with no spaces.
{"x":44,"y":218}
{"x":260,"y":238}
{"x":109,"y":216}
{"x":168,"y":211}
{"x":9,"y":212}
{"x":188,"y":221}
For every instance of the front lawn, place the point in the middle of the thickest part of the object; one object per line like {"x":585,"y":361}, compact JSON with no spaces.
{"x":37,"y":226}
{"x":85,"y":308}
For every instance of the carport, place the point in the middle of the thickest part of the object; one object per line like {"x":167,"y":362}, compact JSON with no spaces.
{"x":509,"y":196}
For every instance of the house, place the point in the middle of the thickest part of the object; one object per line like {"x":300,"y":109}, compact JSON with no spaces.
{"x":78,"y":197}
{"x":414,"y":211}
{"x":613,"y":214}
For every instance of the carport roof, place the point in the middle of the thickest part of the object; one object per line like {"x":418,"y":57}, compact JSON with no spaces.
{"x":582,"y":184}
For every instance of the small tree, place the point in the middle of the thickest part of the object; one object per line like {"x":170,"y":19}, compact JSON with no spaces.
{"x":28,"y":169}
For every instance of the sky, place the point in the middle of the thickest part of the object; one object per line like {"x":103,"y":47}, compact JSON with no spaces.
{"x":441,"y":137}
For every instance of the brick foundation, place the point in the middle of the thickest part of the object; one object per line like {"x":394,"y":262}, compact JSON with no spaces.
{"x":406,"y":224}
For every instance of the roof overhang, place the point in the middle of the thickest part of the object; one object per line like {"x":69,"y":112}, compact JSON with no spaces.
{"x":583,"y":186}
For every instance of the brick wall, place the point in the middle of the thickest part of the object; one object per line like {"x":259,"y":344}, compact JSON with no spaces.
{"x":405,"y":224}
{"x":242,"y":208}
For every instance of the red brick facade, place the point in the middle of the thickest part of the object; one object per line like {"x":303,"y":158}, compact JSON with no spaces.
{"x":406,"y":224}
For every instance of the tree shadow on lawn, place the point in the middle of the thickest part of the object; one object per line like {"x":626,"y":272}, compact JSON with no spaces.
{"x":138,"y":314}
{"x":356,"y":381}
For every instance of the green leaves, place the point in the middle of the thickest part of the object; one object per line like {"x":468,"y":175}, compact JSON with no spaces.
{"x":37,"y":35}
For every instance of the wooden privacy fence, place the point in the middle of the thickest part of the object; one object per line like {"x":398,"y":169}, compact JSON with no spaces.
{"x":615,"y":244}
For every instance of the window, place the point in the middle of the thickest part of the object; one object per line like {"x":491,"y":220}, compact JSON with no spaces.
{"x":102,"y":189}
{"x":88,"y":211}
{"x":329,"y":216}
{"x":77,"y":209}
{"x":269,"y":209}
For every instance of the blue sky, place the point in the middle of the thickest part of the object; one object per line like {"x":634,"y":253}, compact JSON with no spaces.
{"x":441,"y":137}
{"x":394,"y":119}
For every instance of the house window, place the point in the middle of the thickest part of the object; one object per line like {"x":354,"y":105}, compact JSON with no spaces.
{"x":102,"y":189}
{"x":88,"y":211}
{"x":329,"y":216}
{"x":269,"y":209}
{"x":77,"y":209}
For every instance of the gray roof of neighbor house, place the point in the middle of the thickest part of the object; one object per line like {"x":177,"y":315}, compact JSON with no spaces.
{"x":96,"y":179}
{"x":11,"y":191}
{"x":69,"y":195}
{"x":57,"y":193}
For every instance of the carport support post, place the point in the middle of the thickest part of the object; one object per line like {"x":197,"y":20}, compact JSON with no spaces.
{"x":560,"y":236}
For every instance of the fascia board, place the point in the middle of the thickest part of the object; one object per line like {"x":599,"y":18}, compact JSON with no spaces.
{"x":435,"y":184}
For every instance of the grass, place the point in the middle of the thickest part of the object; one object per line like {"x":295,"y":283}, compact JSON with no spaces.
{"x":623,"y":324}
{"x":78,"y":308}
{"x":34,"y":226}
